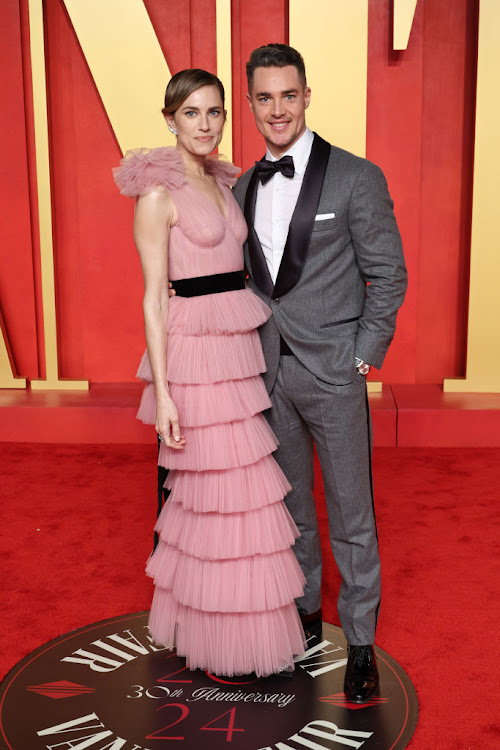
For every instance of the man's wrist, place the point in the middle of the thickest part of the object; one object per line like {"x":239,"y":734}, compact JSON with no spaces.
{"x":361,"y":366}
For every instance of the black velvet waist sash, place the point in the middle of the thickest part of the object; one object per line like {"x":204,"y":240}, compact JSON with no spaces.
{"x":215,"y":284}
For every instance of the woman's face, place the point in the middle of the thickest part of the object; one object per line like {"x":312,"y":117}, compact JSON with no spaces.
{"x":199,"y":121}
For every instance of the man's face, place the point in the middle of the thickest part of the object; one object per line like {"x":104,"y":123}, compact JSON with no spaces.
{"x":279,"y":100}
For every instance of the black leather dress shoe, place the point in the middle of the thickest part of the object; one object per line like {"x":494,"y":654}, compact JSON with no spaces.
{"x":361,"y":674}
{"x":312,"y":623}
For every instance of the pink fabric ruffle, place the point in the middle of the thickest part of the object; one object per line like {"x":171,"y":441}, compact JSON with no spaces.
{"x":218,"y":536}
{"x":221,"y":446}
{"x":230,"y":490}
{"x":227,"y":643}
{"x":143,"y":169}
{"x":223,"y":171}
{"x":263,"y":581}
{"x":238,"y":311}
{"x":217,"y":403}
{"x":209,"y":359}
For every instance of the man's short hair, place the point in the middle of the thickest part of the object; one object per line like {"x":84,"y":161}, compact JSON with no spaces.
{"x":275,"y":56}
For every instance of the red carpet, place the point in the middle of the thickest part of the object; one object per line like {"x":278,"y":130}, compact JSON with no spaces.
{"x":76,"y":531}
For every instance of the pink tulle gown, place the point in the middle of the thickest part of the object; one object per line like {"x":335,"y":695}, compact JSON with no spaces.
{"x":224,"y":571}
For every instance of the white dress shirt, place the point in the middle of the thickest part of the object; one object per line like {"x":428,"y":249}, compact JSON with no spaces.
{"x":276,"y":203}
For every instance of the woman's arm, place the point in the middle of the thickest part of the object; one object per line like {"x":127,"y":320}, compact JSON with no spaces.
{"x":155,"y":214}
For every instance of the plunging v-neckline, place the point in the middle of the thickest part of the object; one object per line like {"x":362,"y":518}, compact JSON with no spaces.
{"x":214,"y":205}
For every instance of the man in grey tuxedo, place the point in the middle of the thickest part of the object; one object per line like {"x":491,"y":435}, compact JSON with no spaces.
{"x":324,"y":252}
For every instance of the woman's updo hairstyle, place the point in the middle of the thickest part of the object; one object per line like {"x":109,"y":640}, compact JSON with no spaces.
{"x":182,"y":85}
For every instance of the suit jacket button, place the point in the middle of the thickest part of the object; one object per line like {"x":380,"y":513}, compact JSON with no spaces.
{"x":277,"y":301}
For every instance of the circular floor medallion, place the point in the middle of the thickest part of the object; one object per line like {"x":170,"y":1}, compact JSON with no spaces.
{"x":108,"y":687}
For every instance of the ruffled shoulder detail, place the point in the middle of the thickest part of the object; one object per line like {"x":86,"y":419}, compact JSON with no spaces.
{"x":223,"y":171}
{"x":144,"y":168}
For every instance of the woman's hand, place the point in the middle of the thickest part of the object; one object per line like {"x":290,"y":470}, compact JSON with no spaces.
{"x":167,"y":424}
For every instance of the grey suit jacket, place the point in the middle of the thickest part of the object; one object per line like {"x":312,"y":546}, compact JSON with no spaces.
{"x":341,"y":280}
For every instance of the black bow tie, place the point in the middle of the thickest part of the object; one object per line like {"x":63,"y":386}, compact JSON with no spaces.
{"x":266,"y":169}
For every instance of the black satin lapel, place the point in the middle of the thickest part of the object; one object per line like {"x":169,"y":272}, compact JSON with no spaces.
{"x":259,"y":269}
{"x":302,"y":223}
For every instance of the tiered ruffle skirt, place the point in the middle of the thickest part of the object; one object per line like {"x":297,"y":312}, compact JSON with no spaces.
{"x":224,"y":570}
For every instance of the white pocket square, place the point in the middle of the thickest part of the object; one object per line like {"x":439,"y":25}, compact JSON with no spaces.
{"x":322,"y":217}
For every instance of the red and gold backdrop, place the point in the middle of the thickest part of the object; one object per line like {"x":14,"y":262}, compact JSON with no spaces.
{"x":413,"y":108}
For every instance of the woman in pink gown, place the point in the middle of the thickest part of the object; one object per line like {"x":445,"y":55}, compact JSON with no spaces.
{"x":224,"y":571}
